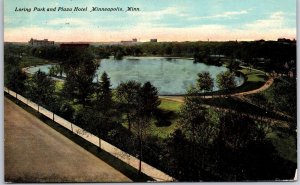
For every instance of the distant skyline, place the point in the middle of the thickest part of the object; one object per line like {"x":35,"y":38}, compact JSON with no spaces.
{"x":166,"y":20}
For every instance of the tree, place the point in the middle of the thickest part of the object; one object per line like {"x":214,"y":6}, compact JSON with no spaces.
{"x":205,"y":82}
{"x":226,"y":81}
{"x":233,"y":65}
{"x":14,"y":77}
{"x":103,"y":93}
{"x":128,"y":95}
{"x":139,"y":102}
{"x":56,"y":70}
{"x":103,"y":106}
{"x":119,"y":55}
{"x":66,"y":111}
{"x":40,"y":88}
{"x":80,"y":68}
{"x":150,"y":100}
{"x":148,"y":103}
{"x":200,"y":125}
{"x":244,"y":152}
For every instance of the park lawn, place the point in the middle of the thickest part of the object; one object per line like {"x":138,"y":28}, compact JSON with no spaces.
{"x":253,"y":75}
{"x":163,"y":132}
{"x":59,"y":86}
{"x":28,"y":61}
{"x":170,"y":105}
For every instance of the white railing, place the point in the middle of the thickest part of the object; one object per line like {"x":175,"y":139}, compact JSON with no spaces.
{"x":123,"y":156}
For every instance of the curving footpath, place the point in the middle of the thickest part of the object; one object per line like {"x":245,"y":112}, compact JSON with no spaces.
{"x":262,"y":88}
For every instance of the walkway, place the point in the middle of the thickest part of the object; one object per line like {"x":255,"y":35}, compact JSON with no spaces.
{"x":262,"y":88}
{"x":34,"y":152}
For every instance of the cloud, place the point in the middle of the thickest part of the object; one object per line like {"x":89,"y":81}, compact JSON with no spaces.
{"x":275,"y":20}
{"x":149,"y":16}
{"x":222,"y":15}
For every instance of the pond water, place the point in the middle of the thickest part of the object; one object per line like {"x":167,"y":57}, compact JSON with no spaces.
{"x":171,"y":76}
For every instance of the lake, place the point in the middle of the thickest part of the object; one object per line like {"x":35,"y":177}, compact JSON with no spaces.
{"x":172,"y":76}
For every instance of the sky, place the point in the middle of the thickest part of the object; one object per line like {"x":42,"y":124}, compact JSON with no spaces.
{"x":166,"y":20}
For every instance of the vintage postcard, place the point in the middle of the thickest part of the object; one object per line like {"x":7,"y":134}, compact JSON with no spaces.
{"x":150,"y":91}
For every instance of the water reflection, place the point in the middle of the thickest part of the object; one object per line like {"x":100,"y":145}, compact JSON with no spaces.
{"x":170,"y":76}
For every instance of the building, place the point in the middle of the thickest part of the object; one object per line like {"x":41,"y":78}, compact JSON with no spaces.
{"x":153,"y":40}
{"x":129,"y":42}
{"x":45,"y":42}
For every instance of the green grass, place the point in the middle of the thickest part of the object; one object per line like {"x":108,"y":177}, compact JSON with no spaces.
{"x":170,"y":105}
{"x":168,"y":125}
{"x":253,"y":75}
{"x":58,"y":86}
{"x":28,"y":61}
{"x":163,"y":132}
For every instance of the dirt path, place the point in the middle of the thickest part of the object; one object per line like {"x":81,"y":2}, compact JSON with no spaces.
{"x":262,"y":88}
{"x":34,"y":152}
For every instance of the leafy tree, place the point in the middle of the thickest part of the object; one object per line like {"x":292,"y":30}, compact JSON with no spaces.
{"x":103,"y":52}
{"x":147,"y":105}
{"x":80,"y":68}
{"x":139,"y":103}
{"x":180,"y":163}
{"x":119,"y":55}
{"x":244,"y":153}
{"x":233,"y":65}
{"x":201,"y":129}
{"x":14,"y":77}
{"x":56,"y":70}
{"x":66,"y":111}
{"x":40,"y":88}
{"x":128,"y":94}
{"x":225,"y":80}
{"x":205,"y":82}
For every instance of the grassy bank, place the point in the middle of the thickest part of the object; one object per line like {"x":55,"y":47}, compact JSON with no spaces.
{"x":28,"y":61}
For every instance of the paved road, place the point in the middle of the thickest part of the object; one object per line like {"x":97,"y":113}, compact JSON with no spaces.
{"x":34,"y":152}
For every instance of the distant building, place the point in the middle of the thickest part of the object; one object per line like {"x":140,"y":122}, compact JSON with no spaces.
{"x":45,"y":42}
{"x":74,"y":45}
{"x":129,"y":42}
{"x":284,"y":40}
{"x":153,"y":40}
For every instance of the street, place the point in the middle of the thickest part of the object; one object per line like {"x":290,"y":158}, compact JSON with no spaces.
{"x":34,"y":152}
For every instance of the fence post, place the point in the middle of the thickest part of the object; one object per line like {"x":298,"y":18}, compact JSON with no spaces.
{"x":38,"y":107}
{"x":53,"y":116}
{"x":99,"y":142}
{"x":72,"y":127}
